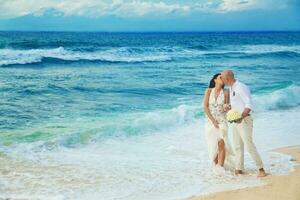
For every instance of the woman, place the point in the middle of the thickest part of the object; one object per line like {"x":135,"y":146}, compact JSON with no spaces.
{"x":216,"y":101}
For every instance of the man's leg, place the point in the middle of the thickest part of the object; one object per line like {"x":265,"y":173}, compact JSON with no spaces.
{"x":239,"y":150}
{"x":245,"y":128}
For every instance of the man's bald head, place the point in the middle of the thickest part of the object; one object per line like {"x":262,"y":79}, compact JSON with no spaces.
{"x":228,"y":77}
{"x":228,"y":74}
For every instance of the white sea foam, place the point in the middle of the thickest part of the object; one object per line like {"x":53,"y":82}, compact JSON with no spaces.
{"x":11,"y":56}
{"x":172,"y":164}
{"x":270,"y":48}
{"x":279,"y":99}
{"x":251,"y":49}
{"x":122,"y":54}
{"x":255,"y":49}
{"x":131,"y":54}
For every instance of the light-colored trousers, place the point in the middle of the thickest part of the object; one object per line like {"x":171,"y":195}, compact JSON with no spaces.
{"x":242,"y":137}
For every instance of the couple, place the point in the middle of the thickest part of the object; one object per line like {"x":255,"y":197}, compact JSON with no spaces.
{"x":217,"y":102}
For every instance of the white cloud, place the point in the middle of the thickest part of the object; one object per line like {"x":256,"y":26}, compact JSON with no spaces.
{"x":141,"y":8}
{"x":235,"y":5}
{"x":128,"y":8}
{"x":241,"y":5}
{"x":92,"y":8}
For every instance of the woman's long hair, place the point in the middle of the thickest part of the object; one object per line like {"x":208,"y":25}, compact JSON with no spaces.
{"x":212,"y":82}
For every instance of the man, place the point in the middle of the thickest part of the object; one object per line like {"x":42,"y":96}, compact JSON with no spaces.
{"x":240,"y":99}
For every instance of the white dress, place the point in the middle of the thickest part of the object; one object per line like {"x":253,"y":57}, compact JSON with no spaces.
{"x":213,"y":134}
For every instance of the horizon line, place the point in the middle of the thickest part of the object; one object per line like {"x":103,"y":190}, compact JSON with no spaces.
{"x":98,"y":31}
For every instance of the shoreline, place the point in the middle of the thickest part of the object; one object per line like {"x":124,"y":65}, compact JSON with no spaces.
{"x":277,"y":187}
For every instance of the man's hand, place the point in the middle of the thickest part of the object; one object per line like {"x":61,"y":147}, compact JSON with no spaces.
{"x":246,"y":112}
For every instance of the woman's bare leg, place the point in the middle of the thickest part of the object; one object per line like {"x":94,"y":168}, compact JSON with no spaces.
{"x":221,"y":154}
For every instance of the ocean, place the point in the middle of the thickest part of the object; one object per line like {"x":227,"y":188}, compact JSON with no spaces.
{"x":109,"y":116}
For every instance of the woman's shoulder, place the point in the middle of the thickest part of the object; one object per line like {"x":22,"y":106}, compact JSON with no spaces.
{"x":208,"y":90}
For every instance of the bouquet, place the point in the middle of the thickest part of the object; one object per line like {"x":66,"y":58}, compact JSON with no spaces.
{"x":233,"y":116}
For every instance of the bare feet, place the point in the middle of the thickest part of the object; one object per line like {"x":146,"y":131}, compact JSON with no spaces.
{"x":238,"y":172}
{"x":261,"y":173}
{"x":219,"y":170}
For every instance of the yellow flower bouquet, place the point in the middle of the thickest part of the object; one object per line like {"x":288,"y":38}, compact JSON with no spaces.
{"x":233,"y":116}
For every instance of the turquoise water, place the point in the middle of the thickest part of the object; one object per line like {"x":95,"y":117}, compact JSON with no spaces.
{"x":124,"y":96}
{"x":64,"y":77}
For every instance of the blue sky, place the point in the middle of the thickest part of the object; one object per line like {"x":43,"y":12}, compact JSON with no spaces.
{"x":146,"y":15}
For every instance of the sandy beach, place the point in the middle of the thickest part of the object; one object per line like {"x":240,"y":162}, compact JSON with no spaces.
{"x":285,"y":187}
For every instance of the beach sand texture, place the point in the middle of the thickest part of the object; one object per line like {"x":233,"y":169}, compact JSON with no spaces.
{"x":286,"y":187}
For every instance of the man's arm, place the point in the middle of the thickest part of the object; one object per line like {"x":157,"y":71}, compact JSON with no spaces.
{"x":246,"y":97}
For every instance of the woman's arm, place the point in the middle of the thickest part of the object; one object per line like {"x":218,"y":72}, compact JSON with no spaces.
{"x":206,"y":106}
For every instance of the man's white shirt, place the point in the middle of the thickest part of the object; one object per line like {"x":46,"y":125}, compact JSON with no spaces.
{"x":240,"y":97}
